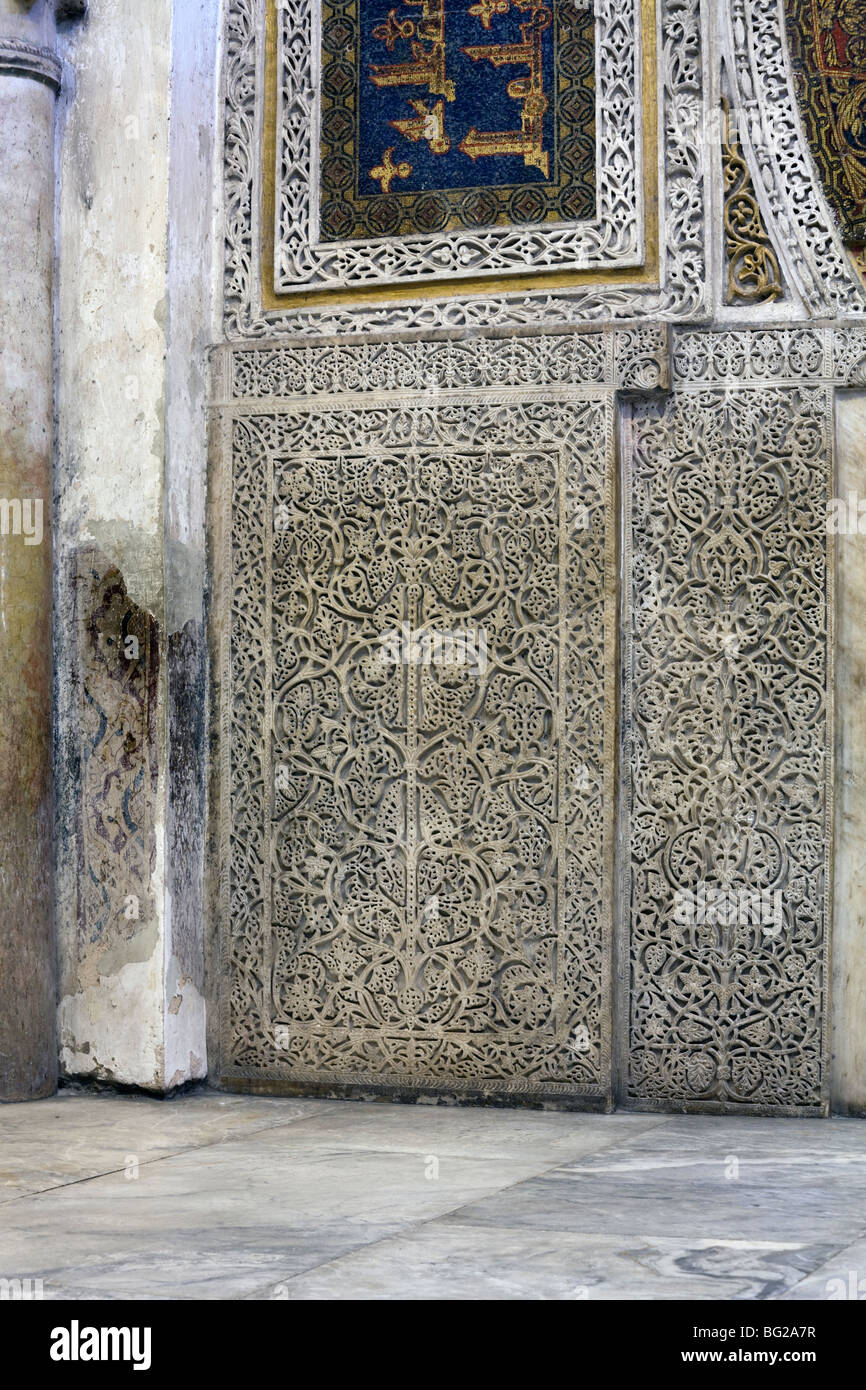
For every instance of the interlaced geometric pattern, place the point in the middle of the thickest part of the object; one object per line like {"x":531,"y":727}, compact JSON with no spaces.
{"x":419,"y":746}
{"x":727,"y":737}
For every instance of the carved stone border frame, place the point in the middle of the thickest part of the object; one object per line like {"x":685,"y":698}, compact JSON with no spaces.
{"x":613,"y":239}
{"x":786,"y":182}
{"x":684,"y":43}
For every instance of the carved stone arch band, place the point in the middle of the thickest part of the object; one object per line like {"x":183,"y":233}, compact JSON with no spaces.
{"x":777,"y":150}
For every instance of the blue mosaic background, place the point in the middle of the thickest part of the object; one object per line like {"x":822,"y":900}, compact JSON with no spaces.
{"x":481,"y":100}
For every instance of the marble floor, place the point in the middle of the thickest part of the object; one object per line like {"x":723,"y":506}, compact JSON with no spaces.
{"x":232,"y":1197}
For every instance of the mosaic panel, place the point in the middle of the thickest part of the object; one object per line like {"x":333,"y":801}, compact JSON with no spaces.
{"x":438,"y":115}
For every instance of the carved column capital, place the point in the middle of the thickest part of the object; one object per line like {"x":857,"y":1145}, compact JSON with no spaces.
{"x":21,"y":51}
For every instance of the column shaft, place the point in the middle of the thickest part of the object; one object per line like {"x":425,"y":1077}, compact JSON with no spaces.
{"x":28,"y":81}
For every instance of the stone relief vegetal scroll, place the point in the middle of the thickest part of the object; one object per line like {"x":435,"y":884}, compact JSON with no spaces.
{"x":417,"y":696}
{"x":727,"y":729}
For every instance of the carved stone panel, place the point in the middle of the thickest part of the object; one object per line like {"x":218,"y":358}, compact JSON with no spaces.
{"x":418,"y":720}
{"x":119,"y":682}
{"x":727,"y":727}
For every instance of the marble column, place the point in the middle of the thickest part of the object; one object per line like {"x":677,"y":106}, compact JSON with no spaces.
{"x":29,"y":81}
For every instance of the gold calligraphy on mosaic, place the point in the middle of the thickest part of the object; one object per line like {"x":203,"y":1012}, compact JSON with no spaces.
{"x":527,"y":90}
{"x":427,"y":68}
{"x":436,"y":116}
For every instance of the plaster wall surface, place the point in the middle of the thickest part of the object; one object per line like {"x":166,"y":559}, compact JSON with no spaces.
{"x":132,"y":327}
{"x":192,"y":328}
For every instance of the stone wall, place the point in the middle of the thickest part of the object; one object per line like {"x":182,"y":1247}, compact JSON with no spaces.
{"x":135,"y":156}
{"x":848,"y":1006}
{"x":186,"y":221}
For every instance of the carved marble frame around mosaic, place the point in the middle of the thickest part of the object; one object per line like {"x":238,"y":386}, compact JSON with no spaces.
{"x":792,"y":200}
{"x":613,"y":239}
{"x":565,"y":193}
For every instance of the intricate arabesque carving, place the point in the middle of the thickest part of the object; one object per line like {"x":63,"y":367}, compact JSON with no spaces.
{"x":849,"y":356}
{"x":119,"y":662}
{"x":642,"y":358}
{"x":727,"y":734}
{"x":753,"y":267}
{"x":732,"y":606}
{"x":420,"y":848}
{"x":613,"y":238}
{"x":681,"y":295}
{"x":630,"y":359}
{"x":751,"y":356}
{"x":767,"y":105}
{"x":555,"y":359}
{"x":774,"y":355}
